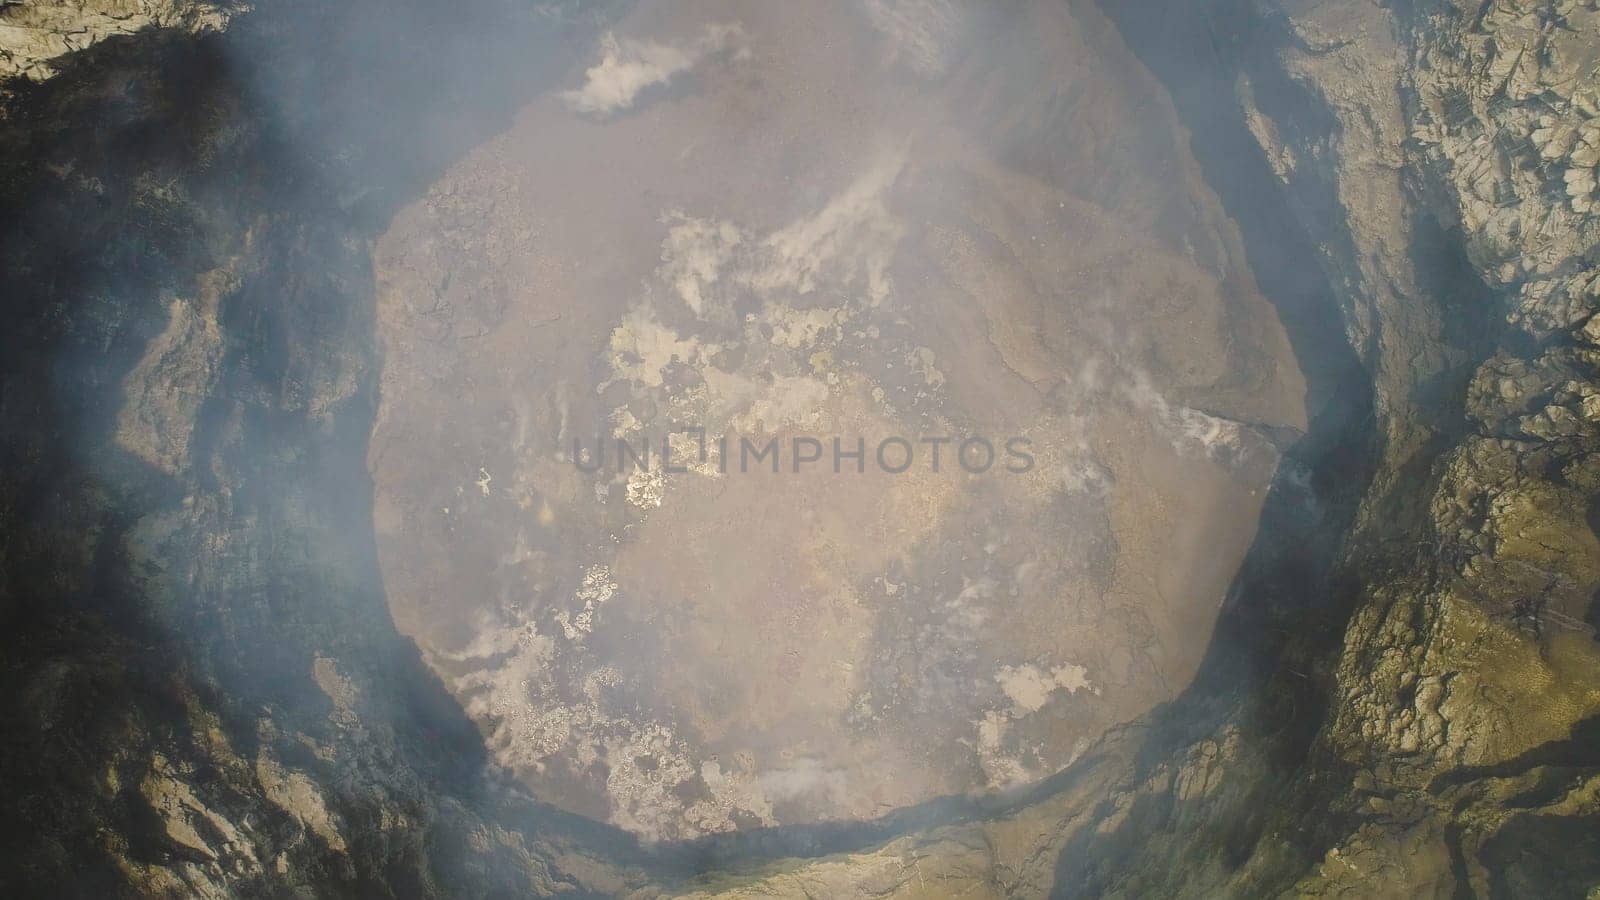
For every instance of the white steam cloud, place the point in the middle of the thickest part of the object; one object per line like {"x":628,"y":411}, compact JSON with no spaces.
{"x":627,"y":67}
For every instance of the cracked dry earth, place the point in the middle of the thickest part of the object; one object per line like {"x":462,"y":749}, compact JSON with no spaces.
{"x":869,"y":232}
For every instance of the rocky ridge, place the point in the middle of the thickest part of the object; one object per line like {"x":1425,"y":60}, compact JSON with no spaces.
{"x":34,"y":37}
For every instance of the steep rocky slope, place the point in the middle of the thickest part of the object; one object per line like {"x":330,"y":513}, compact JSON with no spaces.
{"x":204,"y":692}
{"x":1437,"y":155}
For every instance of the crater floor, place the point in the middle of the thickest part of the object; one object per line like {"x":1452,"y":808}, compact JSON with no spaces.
{"x":856,"y":221}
